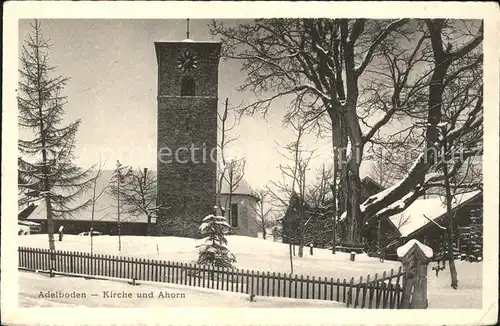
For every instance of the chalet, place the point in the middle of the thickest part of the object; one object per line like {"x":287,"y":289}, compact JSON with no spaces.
{"x":369,"y":187}
{"x":319,"y":218}
{"x":105,"y":220}
{"x":426,"y":220}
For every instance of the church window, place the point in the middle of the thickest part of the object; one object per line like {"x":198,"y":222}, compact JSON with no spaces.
{"x":187,"y":86}
{"x":233,"y":215}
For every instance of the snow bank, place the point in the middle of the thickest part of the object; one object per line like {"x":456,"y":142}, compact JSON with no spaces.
{"x":401,"y":251}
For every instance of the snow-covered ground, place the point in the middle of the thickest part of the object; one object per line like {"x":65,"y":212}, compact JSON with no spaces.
{"x":164,"y":295}
{"x":469,"y":293}
{"x":251,"y":253}
{"x":257,"y":254}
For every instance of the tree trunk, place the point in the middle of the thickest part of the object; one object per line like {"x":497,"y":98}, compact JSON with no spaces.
{"x":143,"y":202}
{"x":119,"y":228}
{"x":334,"y":217}
{"x":339,"y":142}
{"x":50,"y":226}
{"x":379,"y":250}
{"x":451,"y":258}
{"x":301,"y":232}
{"x":353,"y":202}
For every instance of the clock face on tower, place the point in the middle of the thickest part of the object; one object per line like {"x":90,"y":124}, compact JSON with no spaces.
{"x":187,"y":61}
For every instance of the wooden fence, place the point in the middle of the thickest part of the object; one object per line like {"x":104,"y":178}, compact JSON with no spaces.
{"x":376,"y":293}
{"x":385,"y":291}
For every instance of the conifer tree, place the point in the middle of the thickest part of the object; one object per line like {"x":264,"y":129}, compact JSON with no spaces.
{"x":45,"y":163}
{"x":472,"y":240}
{"x":215,"y":252}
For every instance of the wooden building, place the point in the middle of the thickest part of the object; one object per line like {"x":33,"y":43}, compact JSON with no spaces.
{"x":104,"y":221}
{"x":426,"y":220}
{"x":319,"y":218}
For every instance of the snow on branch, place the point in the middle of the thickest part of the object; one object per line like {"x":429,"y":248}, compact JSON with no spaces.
{"x":437,"y":224}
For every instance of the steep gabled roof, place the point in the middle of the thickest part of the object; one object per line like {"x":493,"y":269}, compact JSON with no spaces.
{"x":25,"y":212}
{"x":243,"y":188}
{"x":105,"y":208}
{"x":423,"y":212}
{"x":102,"y":213}
{"x":369,"y":181}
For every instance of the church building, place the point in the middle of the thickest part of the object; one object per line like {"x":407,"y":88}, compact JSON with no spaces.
{"x":186,"y":172}
{"x":187,"y":135}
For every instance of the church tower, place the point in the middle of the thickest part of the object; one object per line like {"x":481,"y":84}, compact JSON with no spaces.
{"x":187,"y":134}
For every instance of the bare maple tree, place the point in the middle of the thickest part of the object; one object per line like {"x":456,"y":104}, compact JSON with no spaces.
{"x":345,"y":72}
{"x":230,"y":171}
{"x":289,"y":194}
{"x":233,"y":174}
{"x":96,"y":195}
{"x":264,"y":219}
{"x":138,"y":194}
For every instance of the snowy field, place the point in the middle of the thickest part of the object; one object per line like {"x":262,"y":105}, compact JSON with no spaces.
{"x":469,"y":293}
{"x":251,"y":253}
{"x":172,"y":295}
{"x":257,"y":254}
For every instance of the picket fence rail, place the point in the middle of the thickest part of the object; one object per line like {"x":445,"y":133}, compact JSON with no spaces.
{"x":375,"y":293}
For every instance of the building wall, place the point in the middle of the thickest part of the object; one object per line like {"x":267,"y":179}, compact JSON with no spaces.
{"x":247,"y":217}
{"x":186,"y":125}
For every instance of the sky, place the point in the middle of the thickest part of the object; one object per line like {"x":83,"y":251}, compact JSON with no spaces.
{"x":112,"y":68}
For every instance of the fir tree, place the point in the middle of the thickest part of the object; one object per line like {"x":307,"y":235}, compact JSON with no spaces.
{"x":215,"y":252}
{"x":472,"y":240}
{"x":45,"y":163}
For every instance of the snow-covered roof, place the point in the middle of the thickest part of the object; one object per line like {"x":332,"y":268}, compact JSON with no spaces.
{"x":243,"y":188}
{"x":188,"y":40}
{"x":105,"y":208}
{"x":27,"y":223}
{"x":106,"y":205}
{"x":102,"y":214}
{"x":424,"y":211}
{"x":401,"y":251}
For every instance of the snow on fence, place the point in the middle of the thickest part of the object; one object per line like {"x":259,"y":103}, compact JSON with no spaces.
{"x":374,"y":293}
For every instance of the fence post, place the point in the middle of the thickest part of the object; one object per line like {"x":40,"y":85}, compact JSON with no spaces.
{"x":415,"y":257}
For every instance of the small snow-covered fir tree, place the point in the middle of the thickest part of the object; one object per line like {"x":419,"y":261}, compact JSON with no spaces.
{"x":476,"y":245}
{"x":214,"y":251}
{"x":472,"y":239}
